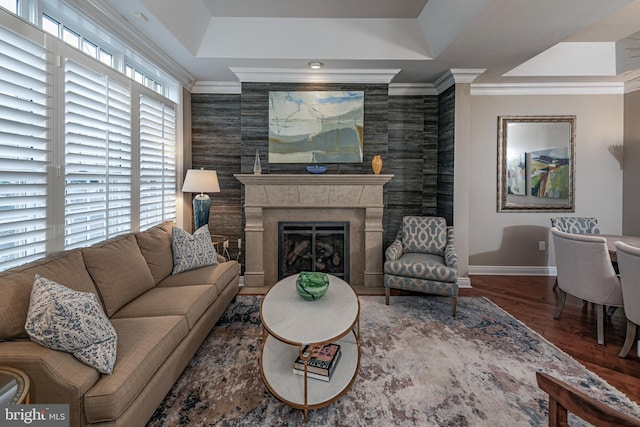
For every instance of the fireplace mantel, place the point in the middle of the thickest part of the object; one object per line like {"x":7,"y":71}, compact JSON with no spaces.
{"x":310,"y":195}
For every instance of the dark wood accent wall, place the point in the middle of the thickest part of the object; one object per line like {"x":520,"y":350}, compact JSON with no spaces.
{"x":446,"y":153}
{"x":412,"y":158}
{"x":217,"y":144}
{"x":406,"y":131}
{"x":255,"y":125}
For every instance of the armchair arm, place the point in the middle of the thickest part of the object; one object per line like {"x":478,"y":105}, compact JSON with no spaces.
{"x":394,"y":251}
{"x":564,"y":398}
{"x":450,"y":255}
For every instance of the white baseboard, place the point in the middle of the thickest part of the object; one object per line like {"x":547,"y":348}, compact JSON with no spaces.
{"x":241,"y":283}
{"x":464,"y":282}
{"x":512,"y":270}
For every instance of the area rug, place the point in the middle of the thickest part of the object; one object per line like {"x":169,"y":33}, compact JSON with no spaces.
{"x":419,"y":367}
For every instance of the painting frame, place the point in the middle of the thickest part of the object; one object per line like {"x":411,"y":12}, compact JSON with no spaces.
{"x":316,"y":127}
{"x":547,"y":143}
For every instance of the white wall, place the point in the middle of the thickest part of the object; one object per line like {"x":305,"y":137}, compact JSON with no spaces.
{"x":511,"y":239}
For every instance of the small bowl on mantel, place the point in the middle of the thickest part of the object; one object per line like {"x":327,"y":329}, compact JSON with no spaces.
{"x":316,"y":169}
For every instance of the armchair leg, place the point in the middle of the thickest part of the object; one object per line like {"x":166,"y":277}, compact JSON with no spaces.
{"x":600,"y":320}
{"x":454,"y":304}
{"x":563,"y":298}
{"x":629,"y":340}
{"x":387,"y":294}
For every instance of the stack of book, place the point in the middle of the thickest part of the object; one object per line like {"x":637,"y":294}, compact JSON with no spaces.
{"x":322,"y":363}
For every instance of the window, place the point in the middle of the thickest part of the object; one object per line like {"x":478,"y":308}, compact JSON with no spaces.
{"x":85,"y":152}
{"x":97,"y":157}
{"x":51,"y":26}
{"x":10,"y":5}
{"x":23,"y":150}
{"x":141,"y":78}
{"x":157,"y":161}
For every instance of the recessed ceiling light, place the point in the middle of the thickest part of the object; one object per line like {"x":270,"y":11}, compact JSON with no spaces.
{"x":315,"y":65}
{"x":141,"y":16}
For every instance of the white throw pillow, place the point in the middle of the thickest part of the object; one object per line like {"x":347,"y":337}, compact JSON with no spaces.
{"x":192,"y":251}
{"x":63,"y":319}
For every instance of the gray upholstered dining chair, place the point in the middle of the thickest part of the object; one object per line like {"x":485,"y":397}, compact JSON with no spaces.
{"x":423,"y":258}
{"x":576,"y":224}
{"x":585,"y":271}
{"x":629,"y":265}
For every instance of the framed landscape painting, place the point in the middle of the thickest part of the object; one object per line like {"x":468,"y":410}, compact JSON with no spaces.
{"x":316,"y":126}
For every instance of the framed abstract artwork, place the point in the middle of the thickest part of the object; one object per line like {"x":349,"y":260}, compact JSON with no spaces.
{"x":316,"y":126}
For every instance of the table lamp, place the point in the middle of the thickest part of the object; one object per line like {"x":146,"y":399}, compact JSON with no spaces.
{"x":201,"y":181}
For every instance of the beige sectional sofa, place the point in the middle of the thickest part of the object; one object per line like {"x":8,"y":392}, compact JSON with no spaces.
{"x":160,"y":320}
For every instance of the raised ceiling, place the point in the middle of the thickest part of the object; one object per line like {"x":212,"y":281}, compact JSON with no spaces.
{"x":415,"y":41}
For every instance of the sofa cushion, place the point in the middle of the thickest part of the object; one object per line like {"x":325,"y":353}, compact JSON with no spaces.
{"x":188,"y":301}
{"x":144,"y":343}
{"x":220,"y":275}
{"x":155,"y":245}
{"x":119,"y":271}
{"x":63,"y":267}
{"x":60,"y":318}
{"x":192,"y":251}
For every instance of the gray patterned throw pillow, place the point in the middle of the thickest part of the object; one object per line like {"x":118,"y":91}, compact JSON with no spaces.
{"x":63,"y":319}
{"x":192,"y":251}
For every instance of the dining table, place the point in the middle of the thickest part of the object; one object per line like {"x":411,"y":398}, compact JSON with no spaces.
{"x":613,"y":238}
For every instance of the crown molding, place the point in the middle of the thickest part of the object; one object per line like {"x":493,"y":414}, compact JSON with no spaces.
{"x":297,"y":75}
{"x":107,"y":16}
{"x":229,"y":88}
{"x":582,"y":88}
{"x":457,"y":75}
{"x":409,"y":89}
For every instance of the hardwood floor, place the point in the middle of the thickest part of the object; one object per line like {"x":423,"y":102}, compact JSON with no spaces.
{"x":532,"y":300}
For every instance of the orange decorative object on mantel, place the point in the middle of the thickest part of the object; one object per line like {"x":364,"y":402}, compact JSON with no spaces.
{"x":376,"y":164}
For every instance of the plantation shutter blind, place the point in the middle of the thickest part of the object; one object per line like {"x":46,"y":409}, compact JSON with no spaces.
{"x":24,"y":129}
{"x":97,"y":156}
{"x":157,"y":161}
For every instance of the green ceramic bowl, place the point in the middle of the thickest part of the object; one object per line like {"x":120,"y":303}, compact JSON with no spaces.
{"x":312,"y":285}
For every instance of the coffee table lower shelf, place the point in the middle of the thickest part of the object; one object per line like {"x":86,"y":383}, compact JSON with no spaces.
{"x":276,"y":368}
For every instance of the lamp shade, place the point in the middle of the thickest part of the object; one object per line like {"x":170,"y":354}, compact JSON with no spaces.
{"x":201,"y":181}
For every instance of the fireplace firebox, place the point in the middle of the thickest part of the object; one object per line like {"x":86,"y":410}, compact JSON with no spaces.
{"x":313,"y":246}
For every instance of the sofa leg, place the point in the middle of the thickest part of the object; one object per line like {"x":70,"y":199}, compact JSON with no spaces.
{"x":454,"y":305}
{"x":387,"y":294}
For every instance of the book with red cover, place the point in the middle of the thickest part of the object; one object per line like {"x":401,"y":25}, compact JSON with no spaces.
{"x":322,"y":361}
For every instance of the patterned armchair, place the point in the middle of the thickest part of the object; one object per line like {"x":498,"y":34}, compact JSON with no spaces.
{"x":423,"y":258}
{"x":576,"y":225}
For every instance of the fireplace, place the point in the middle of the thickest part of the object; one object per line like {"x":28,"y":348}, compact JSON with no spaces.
{"x":273,"y":198}
{"x":313,"y":246}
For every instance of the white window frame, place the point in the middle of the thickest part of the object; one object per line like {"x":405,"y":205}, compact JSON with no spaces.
{"x":57,"y":52}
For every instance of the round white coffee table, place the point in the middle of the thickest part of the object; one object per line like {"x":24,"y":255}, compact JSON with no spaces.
{"x":289,"y":323}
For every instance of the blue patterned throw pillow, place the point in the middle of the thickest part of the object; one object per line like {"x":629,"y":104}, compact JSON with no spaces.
{"x":63,"y":319}
{"x":192,"y":251}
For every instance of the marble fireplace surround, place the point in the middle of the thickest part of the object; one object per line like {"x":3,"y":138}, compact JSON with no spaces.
{"x":270,"y":198}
